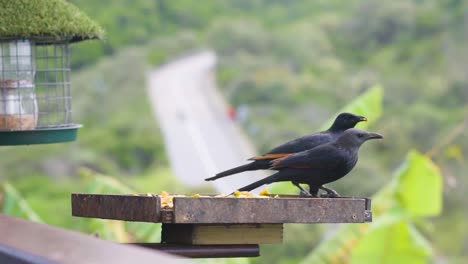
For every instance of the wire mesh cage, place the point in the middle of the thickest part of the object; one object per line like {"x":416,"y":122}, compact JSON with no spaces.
{"x":52,"y":82}
{"x":34,"y":85}
{"x":35,"y":91}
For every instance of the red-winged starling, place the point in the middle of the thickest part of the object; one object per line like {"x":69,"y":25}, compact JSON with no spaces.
{"x":342,"y":122}
{"x":318,"y":166}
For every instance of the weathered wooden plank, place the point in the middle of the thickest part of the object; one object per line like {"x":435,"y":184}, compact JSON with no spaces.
{"x":270,"y":210}
{"x":119,"y":207}
{"x":220,"y":210}
{"x":222,"y":234}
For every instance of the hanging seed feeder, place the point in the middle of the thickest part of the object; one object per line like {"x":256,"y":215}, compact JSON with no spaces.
{"x":35,"y":88}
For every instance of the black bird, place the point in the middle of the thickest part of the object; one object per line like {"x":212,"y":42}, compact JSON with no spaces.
{"x":318,"y":166}
{"x":342,"y":122}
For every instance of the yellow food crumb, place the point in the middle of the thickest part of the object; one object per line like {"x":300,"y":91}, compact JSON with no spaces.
{"x":239,"y":194}
{"x":245,"y":195}
{"x":264,"y":192}
{"x":196,"y":195}
{"x":166,"y":199}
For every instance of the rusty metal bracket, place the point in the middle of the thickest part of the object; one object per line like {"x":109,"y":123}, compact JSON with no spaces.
{"x":206,"y":251}
{"x":167,"y":215}
{"x":368,"y":212}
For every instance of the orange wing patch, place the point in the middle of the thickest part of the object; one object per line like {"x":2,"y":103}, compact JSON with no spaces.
{"x":276,"y":164}
{"x":270,"y":156}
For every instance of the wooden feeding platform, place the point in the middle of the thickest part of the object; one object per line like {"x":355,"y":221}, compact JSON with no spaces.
{"x":220,"y":226}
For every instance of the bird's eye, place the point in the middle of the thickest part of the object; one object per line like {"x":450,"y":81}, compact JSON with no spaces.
{"x":360,"y":135}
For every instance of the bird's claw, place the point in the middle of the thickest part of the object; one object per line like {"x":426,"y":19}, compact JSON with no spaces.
{"x":329,"y":195}
{"x":305,"y":193}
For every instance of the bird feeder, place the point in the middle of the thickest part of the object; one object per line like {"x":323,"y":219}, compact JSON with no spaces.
{"x":35,"y":87}
{"x":208,"y":226}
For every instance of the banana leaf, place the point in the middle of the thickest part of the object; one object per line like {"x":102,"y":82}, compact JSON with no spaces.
{"x":395,"y":207}
{"x":112,"y":229}
{"x":13,"y":203}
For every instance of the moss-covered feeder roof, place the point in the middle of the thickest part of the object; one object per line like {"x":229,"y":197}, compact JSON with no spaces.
{"x":45,"y":21}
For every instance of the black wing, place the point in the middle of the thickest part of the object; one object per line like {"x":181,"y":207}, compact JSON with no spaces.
{"x":303,"y":143}
{"x":326,"y":156}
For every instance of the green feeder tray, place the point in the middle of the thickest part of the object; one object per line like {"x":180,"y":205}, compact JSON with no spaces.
{"x":39,"y":136}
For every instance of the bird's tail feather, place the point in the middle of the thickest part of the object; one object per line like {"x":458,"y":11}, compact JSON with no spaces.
{"x":267,"y":180}
{"x":246,"y":167}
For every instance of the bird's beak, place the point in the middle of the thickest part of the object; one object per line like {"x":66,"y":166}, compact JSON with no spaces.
{"x":374,"y":136}
{"x":363,"y":118}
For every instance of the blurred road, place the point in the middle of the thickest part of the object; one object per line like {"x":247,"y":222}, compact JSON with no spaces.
{"x":199,"y":136}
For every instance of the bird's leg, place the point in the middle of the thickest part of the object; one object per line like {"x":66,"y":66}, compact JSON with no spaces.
{"x":330,"y":192}
{"x":303,"y":191}
{"x":313,"y":190}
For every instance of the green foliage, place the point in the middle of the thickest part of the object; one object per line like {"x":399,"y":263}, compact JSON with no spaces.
{"x":394,"y":242}
{"x":45,"y":19}
{"x":117,"y":230}
{"x":97,"y":183}
{"x":13,"y":203}
{"x":37,"y":207}
{"x":420,"y":186}
{"x":375,"y":24}
{"x":369,"y":104}
{"x":393,"y":221}
{"x":163,"y":49}
{"x":139,"y":21}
